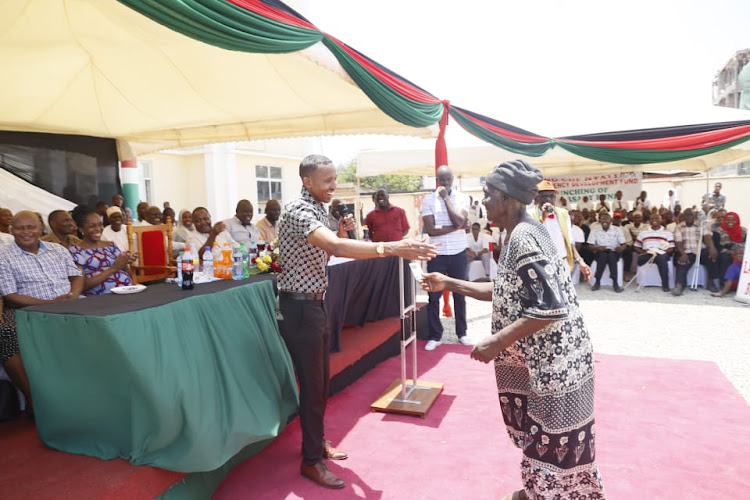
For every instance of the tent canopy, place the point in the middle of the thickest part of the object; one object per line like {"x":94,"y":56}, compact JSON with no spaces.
{"x":157,"y":74}
{"x":100,"y":68}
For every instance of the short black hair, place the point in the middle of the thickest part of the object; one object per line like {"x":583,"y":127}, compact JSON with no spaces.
{"x":54,"y":214}
{"x":310,"y":163}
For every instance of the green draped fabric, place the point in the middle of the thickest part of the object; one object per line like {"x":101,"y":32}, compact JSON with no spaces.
{"x":184,"y":386}
{"x":641,"y":156}
{"x":400,"y":108}
{"x":524,"y":148}
{"x":225,"y":25}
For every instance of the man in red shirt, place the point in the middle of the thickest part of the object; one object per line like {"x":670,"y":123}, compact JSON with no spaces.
{"x":386,"y":222}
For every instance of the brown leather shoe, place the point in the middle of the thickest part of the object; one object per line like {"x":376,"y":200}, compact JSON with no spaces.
{"x":320,"y":474}
{"x":332,"y":453}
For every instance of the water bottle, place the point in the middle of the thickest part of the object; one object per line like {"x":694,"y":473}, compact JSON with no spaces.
{"x":208,"y":262}
{"x":252,"y":254}
{"x":216,"y":255}
{"x":245,"y":261}
{"x":187,"y":270}
{"x":366,"y":233}
{"x":196,"y":259}
{"x":179,"y":269}
{"x":237,"y":264}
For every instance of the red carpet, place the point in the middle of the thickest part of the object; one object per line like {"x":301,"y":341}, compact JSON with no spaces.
{"x":666,"y":429}
{"x":29,"y":470}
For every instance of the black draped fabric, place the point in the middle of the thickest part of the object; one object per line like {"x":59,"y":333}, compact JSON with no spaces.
{"x":363,"y":290}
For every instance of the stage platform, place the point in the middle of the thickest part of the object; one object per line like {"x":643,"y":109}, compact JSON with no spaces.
{"x":30,"y":470}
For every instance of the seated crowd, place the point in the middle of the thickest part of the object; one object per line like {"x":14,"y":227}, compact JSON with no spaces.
{"x":86,"y":252}
{"x":658,"y":235}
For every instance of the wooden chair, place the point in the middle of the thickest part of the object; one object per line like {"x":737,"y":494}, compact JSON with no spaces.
{"x":153,"y":247}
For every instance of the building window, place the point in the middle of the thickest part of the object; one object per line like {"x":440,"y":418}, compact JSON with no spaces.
{"x":268,"y":180}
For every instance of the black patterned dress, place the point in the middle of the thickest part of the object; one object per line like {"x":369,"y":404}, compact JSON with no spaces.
{"x":546,"y":381}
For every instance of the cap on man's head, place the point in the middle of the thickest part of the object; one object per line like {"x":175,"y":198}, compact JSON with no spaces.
{"x":517,"y":179}
{"x":618,"y":214}
{"x":546,"y":185}
{"x":112,"y":210}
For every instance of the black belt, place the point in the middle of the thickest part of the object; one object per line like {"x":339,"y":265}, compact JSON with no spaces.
{"x":303,"y":296}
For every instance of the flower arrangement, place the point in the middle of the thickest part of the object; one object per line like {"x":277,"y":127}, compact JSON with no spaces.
{"x":267,"y":260}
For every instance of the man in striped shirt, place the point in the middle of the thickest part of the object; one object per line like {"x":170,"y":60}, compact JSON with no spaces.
{"x":444,"y":215}
{"x":655,"y":244}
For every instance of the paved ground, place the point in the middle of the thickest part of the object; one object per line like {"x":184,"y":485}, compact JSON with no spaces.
{"x":652,"y":323}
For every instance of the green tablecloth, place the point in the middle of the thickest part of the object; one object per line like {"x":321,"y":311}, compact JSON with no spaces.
{"x":183,"y":386}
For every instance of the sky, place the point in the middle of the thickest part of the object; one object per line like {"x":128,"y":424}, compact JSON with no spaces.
{"x":552,"y":67}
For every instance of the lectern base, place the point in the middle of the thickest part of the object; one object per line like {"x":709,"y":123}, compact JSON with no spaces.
{"x":417,"y":402}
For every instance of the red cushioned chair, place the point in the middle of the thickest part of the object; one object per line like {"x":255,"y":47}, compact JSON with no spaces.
{"x":153,"y":247}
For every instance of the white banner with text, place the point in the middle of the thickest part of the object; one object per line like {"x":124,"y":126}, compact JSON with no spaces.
{"x":575,"y":187}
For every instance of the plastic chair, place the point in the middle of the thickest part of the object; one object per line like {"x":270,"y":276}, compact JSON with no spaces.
{"x":606,"y":278}
{"x":153,"y":247}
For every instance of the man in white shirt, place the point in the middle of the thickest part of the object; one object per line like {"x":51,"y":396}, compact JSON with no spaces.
{"x":577,"y":236}
{"x":669,"y":200}
{"x":641,"y":202}
{"x":602,"y":204}
{"x":444,"y":216}
{"x":205,"y":234}
{"x":608,"y":242}
{"x":586,"y":203}
{"x":241,"y":227}
{"x":479,"y":247}
{"x":618,"y":205}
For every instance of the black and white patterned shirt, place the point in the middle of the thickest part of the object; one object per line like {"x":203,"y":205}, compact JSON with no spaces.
{"x":303,"y":265}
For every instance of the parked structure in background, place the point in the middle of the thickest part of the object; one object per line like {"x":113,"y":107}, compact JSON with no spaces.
{"x":731,"y":89}
{"x":732,"y":82}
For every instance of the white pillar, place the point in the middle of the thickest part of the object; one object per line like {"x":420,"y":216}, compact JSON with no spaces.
{"x":221,"y":181}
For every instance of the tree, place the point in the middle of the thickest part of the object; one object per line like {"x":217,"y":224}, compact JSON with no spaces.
{"x":392,"y":183}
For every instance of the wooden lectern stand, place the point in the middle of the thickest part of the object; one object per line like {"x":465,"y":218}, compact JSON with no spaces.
{"x":409,"y":397}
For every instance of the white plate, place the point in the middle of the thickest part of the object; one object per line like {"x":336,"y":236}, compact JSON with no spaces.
{"x":122,"y":290}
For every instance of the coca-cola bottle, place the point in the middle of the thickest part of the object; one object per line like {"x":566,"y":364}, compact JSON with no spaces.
{"x":187,"y":270}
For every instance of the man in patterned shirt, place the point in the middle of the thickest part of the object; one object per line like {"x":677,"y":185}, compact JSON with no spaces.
{"x":715,"y":200}
{"x":31,"y":272}
{"x":305,"y":242}
{"x":687,"y":239}
{"x":608,"y":242}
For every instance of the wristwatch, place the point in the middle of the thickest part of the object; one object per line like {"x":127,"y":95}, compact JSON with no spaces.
{"x":380,"y":249}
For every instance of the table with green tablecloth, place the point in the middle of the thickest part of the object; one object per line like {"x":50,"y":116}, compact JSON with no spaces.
{"x":181,"y":380}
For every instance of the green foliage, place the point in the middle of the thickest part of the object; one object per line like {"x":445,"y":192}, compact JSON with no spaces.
{"x":393,"y":183}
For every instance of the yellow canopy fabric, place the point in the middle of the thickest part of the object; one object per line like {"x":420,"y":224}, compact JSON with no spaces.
{"x":98,"y":68}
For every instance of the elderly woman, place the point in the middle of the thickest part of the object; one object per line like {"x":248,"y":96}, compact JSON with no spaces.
{"x":103,"y":264}
{"x":539,"y":343}
{"x":184,"y":227}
